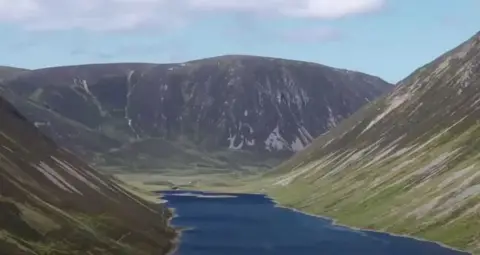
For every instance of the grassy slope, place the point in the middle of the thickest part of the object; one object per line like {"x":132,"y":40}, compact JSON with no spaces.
{"x":52,"y":203}
{"x":415,"y":171}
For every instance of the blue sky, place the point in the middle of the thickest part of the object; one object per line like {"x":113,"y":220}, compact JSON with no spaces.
{"x":388,"y":38}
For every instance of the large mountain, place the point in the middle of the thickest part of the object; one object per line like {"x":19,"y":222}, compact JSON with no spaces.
{"x":7,"y":72}
{"x":407,"y":163}
{"x":53,"y":203}
{"x":219,"y":104}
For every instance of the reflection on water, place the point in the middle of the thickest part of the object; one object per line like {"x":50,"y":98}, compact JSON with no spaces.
{"x":248,"y":224}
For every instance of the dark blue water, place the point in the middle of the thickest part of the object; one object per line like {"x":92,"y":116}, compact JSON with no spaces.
{"x":251,"y":225}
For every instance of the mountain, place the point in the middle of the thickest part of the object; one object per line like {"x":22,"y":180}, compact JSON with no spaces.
{"x":114,"y":112}
{"x":53,"y":203}
{"x":7,"y":72}
{"x":407,"y":163}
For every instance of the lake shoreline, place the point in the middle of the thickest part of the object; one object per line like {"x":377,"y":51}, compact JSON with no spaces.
{"x":336,"y":223}
{"x":332,"y":221}
{"x":178,"y":230}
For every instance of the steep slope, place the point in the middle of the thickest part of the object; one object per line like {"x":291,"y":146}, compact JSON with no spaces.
{"x":53,"y":203}
{"x":221,"y":104}
{"x":407,"y":163}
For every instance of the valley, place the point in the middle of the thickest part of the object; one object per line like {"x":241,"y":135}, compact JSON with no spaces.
{"x":399,"y":159}
{"x":404,"y":164}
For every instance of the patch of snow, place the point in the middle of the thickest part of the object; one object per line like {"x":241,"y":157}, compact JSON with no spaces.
{"x":381,"y":155}
{"x":232,"y":146}
{"x":6,"y":148}
{"x":275,"y":141}
{"x":393,"y":104}
{"x":40,"y":124}
{"x":287,"y":179}
{"x":401,"y":152}
{"x":385,"y":152}
{"x":424,"y":209}
{"x":462,"y":196}
{"x":70,"y":169}
{"x":433,"y":166}
{"x":324,"y":162}
{"x":455,"y":176}
{"x":402,"y":165}
{"x":422,"y":146}
{"x":467,"y":181}
{"x":250,"y":129}
{"x":328,"y":142}
{"x":442,"y":66}
{"x":297,"y":145}
{"x":436,"y":164}
{"x":304,"y":132}
{"x":55,"y":177}
{"x":415,"y":109}
{"x":476,"y":102}
{"x":85,"y":86}
{"x":332,"y":122}
{"x":352,"y":157}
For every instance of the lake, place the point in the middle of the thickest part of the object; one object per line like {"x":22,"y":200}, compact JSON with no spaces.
{"x":250,"y":224}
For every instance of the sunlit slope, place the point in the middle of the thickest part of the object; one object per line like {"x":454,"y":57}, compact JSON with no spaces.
{"x":52,"y":203}
{"x":408,"y":163}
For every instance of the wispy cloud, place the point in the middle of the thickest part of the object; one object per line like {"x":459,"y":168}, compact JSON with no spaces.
{"x":135,"y":14}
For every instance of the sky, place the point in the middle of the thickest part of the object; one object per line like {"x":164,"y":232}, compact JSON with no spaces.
{"x":387,"y":38}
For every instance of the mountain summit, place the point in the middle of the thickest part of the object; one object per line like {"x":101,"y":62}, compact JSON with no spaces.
{"x":408,"y":163}
{"x":223,"y":103}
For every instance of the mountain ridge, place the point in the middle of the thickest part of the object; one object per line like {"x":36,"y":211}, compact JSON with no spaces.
{"x":405,"y":163}
{"x":226,"y":103}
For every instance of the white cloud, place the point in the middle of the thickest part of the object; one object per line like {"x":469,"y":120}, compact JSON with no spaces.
{"x":132,"y":14}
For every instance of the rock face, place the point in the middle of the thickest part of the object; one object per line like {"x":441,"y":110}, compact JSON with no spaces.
{"x":51,"y":202}
{"x":407,"y":163}
{"x":229,"y":102}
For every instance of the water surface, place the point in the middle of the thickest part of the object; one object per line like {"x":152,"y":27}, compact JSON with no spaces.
{"x":248,"y":224}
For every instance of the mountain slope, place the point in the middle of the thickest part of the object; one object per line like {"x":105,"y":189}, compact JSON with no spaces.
{"x":53,"y":203}
{"x":220,"y":104}
{"x":408,"y":163}
{"x":7,"y":72}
